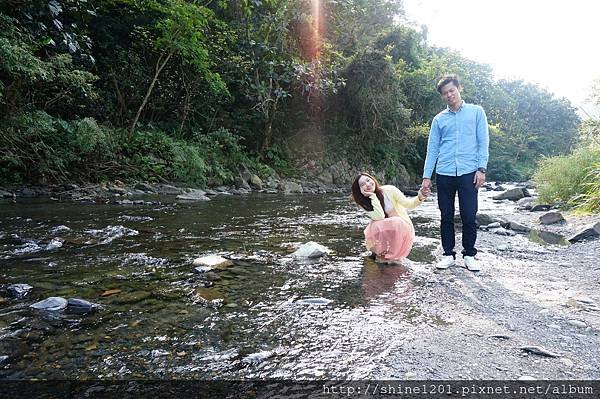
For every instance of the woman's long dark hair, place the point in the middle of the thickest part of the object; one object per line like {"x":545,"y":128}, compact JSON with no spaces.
{"x":365,"y":202}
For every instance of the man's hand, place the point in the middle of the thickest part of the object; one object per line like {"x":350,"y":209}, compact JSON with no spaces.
{"x":479,"y":179}
{"x":425,"y":187}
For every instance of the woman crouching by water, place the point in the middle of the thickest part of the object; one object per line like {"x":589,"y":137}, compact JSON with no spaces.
{"x":390,"y":234}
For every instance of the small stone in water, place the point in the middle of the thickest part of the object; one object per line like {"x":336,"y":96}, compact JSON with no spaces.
{"x":19,"y":290}
{"x":52,"y":303}
{"x":212,"y":261}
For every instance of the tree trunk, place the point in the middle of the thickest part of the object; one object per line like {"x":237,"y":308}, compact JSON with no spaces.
{"x":160,"y":64}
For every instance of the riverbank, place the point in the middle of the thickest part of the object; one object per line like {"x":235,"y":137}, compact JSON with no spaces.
{"x":532,"y":312}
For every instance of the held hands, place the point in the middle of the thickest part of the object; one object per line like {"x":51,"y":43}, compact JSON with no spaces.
{"x":425,"y":189}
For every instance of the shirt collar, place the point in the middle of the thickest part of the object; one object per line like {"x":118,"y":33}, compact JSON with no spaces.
{"x":459,"y":108}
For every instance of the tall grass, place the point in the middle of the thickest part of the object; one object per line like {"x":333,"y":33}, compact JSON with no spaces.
{"x":572,"y":180}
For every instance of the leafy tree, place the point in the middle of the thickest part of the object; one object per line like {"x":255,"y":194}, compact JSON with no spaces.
{"x":180,"y":31}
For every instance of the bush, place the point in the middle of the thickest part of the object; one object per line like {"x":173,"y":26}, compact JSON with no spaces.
{"x":571,"y":179}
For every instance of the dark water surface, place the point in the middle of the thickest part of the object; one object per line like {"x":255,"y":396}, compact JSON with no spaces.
{"x":268,"y":315}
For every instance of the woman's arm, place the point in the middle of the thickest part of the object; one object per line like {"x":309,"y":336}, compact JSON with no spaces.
{"x":408,"y":203}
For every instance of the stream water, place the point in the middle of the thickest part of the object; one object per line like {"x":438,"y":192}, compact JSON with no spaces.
{"x":267,"y":316}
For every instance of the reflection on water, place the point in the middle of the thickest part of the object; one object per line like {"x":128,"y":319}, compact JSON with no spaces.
{"x":268,"y":315}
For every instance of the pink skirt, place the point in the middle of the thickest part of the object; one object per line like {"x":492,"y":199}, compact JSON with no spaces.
{"x":390,"y":238}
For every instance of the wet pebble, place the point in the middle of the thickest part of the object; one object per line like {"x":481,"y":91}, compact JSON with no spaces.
{"x":19,"y":290}
{"x":52,"y":303}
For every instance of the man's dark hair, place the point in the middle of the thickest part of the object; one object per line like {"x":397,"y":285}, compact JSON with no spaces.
{"x":445,"y":80}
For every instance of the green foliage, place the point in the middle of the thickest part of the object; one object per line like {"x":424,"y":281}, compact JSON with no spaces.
{"x":570,"y":179}
{"x":589,"y":201}
{"x":203,"y":78}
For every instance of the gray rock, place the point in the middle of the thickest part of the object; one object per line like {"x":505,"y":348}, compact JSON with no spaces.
{"x":117,"y":190}
{"x":144,"y":187}
{"x":311,"y":250}
{"x":167,"y":189}
{"x":19,"y":290}
{"x":591,"y":231}
{"x":538,"y":350}
{"x":3,"y":360}
{"x":525,"y":203}
{"x":28,"y":192}
{"x":551,"y":218}
{"x":240,"y":182}
{"x":272,"y":183}
{"x":518,"y":227}
{"x":540,"y":208}
{"x":547,"y":237}
{"x":52,"y":303}
{"x":514,"y":194}
{"x":493,"y":225}
{"x":193,"y":195}
{"x":80,"y":306}
{"x":5,"y":194}
{"x":291,"y":187}
{"x":503,"y":232}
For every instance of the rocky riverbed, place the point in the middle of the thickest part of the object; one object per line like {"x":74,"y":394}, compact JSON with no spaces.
{"x":145,"y":311}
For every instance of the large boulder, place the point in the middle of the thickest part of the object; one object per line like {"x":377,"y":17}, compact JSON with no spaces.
{"x":311,"y":250}
{"x":591,"y":231}
{"x":514,"y":194}
{"x":256,"y":182}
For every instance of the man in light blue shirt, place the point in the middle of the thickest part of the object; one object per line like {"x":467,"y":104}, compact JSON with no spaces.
{"x":458,"y":150}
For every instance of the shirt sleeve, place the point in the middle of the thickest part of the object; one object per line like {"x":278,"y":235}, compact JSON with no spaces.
{"x":483,"y":139}
{"x":377,"y":212}
{"x":408,"y":203}
{"x":433,"y":149}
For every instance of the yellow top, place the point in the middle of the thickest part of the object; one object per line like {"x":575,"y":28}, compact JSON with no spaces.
{"x":398,"y":200}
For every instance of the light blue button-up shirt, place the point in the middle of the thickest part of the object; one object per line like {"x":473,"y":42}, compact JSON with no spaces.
{"x":458,"y":142}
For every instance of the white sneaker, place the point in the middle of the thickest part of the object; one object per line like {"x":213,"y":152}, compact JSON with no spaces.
{"x":445,"y":262}
{"x":471,"y":263}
